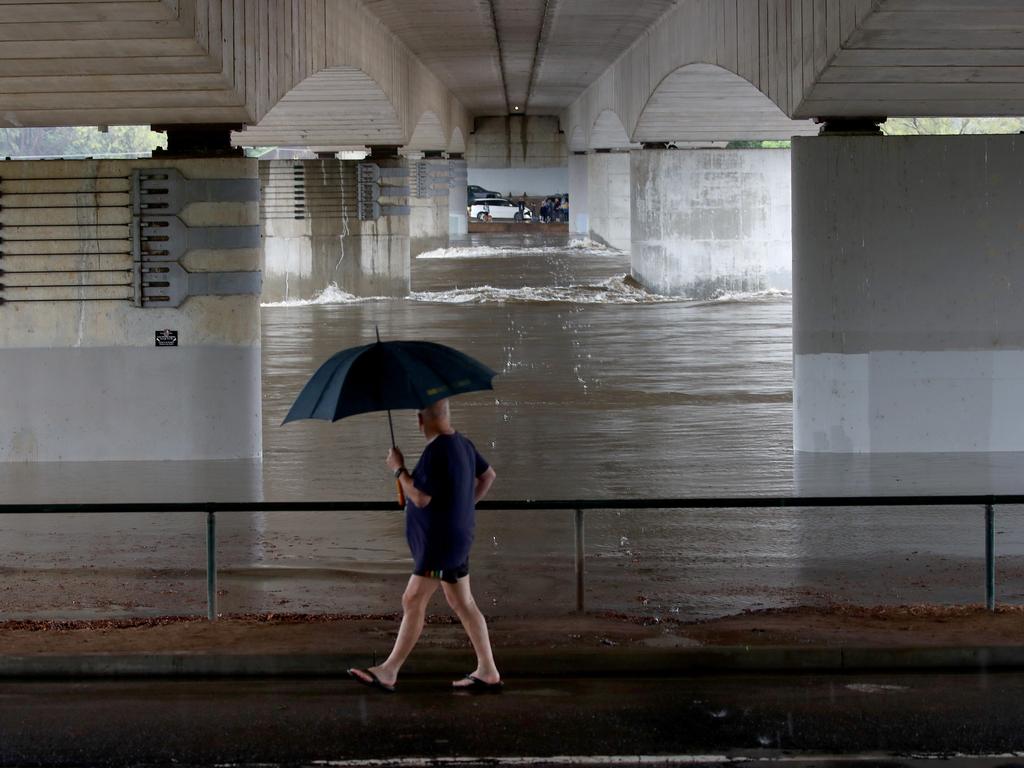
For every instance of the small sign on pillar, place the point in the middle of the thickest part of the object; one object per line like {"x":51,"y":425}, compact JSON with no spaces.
{"x":167,"y":338}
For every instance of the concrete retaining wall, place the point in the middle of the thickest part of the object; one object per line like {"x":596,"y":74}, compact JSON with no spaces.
{"x":908,"y":324}
{"x":707,"y":222}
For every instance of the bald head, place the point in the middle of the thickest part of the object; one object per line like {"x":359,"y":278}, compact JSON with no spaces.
{"x":436,"y":416}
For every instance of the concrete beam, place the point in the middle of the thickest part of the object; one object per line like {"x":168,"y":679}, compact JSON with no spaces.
{"x":841,"y":58}
{"x":220,"y":61}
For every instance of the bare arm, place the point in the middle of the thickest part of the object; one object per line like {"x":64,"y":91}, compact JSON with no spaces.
{"x":483,"y":484}
{"x":414,"y":494}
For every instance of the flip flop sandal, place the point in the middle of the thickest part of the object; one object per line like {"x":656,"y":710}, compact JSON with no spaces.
{"x":373,"y":682}
{"x":479,"y":686}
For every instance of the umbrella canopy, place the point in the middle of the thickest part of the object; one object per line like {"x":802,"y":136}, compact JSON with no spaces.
{"x":388,"y":375}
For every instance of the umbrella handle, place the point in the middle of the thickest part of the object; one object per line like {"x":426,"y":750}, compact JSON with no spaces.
{"x":401,"y":493}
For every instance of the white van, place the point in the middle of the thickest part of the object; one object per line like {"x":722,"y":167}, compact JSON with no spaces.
{"x":498,"y":209}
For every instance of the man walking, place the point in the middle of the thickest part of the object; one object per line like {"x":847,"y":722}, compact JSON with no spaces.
{"x":441,"y":495}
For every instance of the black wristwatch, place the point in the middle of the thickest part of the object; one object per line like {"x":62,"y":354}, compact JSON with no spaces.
{"x":399,"y":471}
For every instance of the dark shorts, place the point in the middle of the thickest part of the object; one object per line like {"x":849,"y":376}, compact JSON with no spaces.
{"x":449,"y":575}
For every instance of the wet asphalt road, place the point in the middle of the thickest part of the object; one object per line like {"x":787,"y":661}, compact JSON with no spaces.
{"x":302,"y":721}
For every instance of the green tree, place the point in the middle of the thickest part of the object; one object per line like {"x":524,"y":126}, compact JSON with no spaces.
{"x":79,"y":141}
{"x":950,"y":126}
{"x":766,"y":144}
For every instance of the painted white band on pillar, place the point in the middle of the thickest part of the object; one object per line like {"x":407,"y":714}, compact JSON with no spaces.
{"x":908,"y":324}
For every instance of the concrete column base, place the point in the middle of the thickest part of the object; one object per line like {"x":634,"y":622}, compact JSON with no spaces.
{"x":707,"y":222}
{"x":112,"y":403}
{"x":458,"y":199}
{"x":375,"y":257}
{"x":84,"y":370}
{"x":609,"y":199}
{"x":579,"y":195}
{"x":314,"y":239}
{"x":430,"y":209}
{"x":908,"y":326}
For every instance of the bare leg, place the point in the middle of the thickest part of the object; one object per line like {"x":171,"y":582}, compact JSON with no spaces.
{"x":414,"y":605}
{"x":460,"y":598}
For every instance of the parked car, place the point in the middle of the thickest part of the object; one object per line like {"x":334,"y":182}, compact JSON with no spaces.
{"x":473,"y":192}
{"x":499,"y":209}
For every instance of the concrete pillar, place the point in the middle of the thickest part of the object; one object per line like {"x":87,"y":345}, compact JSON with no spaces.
{"x":579,"y":186}
{"x":315,"y":237}
{"x":908,"y":324}
{"x":130,"y":320}
{"x":308,"y":206}
{"x":609,"y":198}
{"x":711,"y":221}
{"x":428,"y":202}
{"x":375,"y":259}
{"x":458,"y":197}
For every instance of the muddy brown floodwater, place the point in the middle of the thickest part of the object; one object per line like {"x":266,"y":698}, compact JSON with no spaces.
{"x":604,"y":391}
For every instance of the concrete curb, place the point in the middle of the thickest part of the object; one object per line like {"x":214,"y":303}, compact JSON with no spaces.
{"x":525,"y":662}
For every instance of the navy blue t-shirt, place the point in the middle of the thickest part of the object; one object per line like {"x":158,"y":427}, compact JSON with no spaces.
{"x":441,"y":533}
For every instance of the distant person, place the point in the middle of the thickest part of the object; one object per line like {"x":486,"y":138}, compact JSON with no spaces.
{"x":556,"y":210}
{"x":545,"y":210}
{"x":441,"y":495}
{"x":522,"y":208}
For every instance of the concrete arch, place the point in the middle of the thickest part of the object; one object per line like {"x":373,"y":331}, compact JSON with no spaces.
{"x":608,"y":132}
{"x":706,"y":102}
{"x":336,"y":107}
{"x":733,"y":36}
{"x":361,"y":73}
{"x":457,"y":143}
{"x":428,"y":135}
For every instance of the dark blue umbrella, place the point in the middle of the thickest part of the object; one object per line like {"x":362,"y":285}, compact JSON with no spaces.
{"x":387,"y":376}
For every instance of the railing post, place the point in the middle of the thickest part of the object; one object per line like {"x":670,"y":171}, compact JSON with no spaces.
{"x":990,"y":557}
{"x":580,"y":554}
{"x":211,"y":565}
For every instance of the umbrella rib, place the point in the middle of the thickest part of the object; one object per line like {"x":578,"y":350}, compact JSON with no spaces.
{"x":346,"y":366}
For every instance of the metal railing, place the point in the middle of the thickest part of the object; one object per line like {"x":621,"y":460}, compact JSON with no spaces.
{"x":578,"y":507}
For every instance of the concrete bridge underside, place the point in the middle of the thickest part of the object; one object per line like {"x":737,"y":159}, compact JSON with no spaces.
{"x":232,"y":61}
{"x":413,"y":80}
